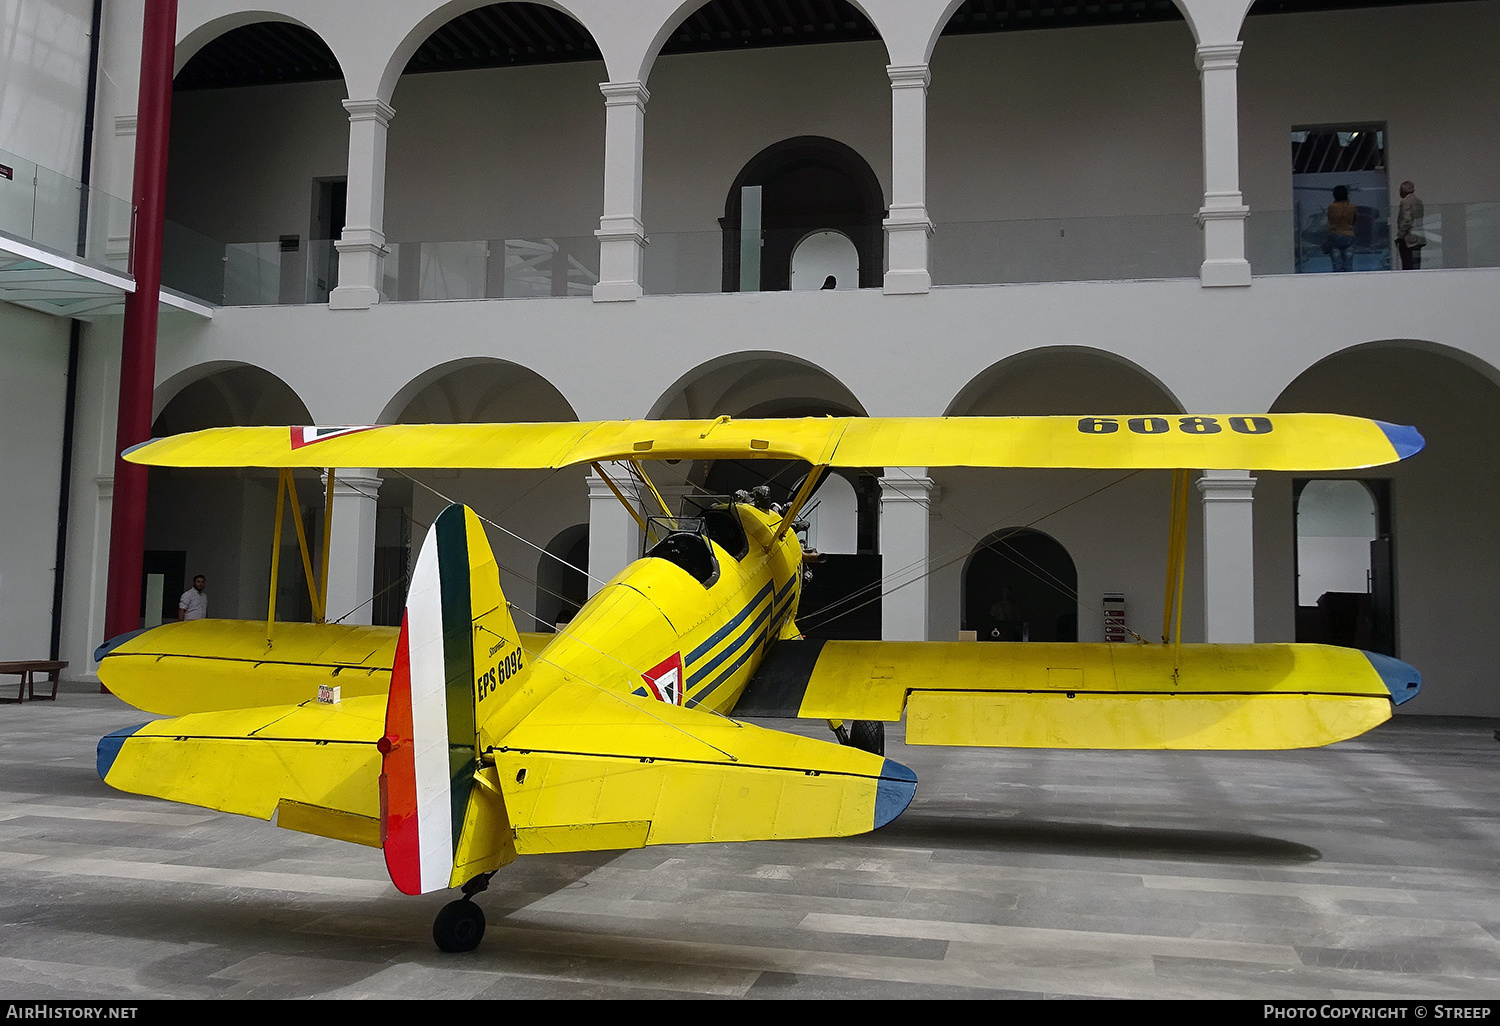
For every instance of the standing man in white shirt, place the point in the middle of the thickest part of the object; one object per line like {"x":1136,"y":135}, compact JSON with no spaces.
{"x":194,"y":602}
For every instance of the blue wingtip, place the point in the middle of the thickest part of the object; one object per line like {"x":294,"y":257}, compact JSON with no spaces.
{"x":116,"y":641}
{"x":109,"y":749}
{"x":897,"y":787}
{"x":1406,"y":440}
{"x":1401,"y":679}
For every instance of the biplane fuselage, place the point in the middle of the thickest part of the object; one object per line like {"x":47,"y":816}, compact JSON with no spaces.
{"x":690,"y":623}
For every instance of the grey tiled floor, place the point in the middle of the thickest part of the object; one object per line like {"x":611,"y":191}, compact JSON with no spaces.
{"x":1368,"y":869}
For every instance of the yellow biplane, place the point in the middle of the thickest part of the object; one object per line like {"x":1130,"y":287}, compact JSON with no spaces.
{"x":456,"y":743}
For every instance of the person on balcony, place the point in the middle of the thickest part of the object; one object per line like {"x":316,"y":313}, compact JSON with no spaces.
{"x":1341,"y":216}
{"x":1409,"y":237}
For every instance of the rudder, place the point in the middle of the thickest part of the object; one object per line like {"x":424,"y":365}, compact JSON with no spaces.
{"x":458,"y":653}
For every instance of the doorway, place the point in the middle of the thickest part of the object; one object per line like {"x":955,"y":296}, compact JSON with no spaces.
{"x":1351,"y":158}
{"x":795,"y":190}
{"x":1345,"y":564}
{"x":330,"y":197}
{"x":1021,"y":585}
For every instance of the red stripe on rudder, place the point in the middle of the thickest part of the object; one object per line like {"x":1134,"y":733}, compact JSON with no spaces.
{"x":399,"y":769}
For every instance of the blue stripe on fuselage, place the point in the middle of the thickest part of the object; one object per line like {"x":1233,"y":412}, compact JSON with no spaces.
{"x":729,"y":649}
{"x":729,"y":628}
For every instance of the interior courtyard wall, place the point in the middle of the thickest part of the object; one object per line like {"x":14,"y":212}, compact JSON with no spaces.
{"x":1090,"y":122}
{"x":1427,"y":71}
{"x":710,"y":113}
{"x":495,"y":154}
{"x":1116,"y":538}
{"x":44,"y":81}
{"x":92,"y":481}
{"x":33,"y":379}
{"x":243,"y":160}
{"x":534,"y":505}
{"x":1447,"y":557}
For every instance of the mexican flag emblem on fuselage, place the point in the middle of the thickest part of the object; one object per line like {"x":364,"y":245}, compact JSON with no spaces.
{"x":664,"y":680}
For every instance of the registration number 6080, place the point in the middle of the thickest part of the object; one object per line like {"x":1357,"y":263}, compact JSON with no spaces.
{"x":1184,"y":425}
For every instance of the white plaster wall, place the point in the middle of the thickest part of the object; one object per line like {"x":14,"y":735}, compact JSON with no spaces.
{"x":43,"y":80}
{"x":33,"y":379}
{"x":502,"y":153}
{"x":1069,"y":123}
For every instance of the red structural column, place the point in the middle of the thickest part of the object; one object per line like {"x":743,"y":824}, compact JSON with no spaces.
{"x":127,"y":528}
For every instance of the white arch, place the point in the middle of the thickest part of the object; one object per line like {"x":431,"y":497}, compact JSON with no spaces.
{"x":681,"y":388}
{"x":637,"y":65}
{"x":192,"y":37}
{"x":403,"y":396}
{"x":1460,"y":357}
{"x":170,"y":387}
{"x":986,"y":379}
{"x":438,"y":16}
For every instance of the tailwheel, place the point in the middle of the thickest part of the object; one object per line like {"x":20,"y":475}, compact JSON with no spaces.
{"x":459,"y":926}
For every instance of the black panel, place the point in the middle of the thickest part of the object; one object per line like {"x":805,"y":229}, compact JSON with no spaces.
{"x":778,"y":686}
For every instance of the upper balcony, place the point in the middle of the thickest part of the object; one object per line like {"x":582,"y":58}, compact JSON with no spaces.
{"x":1074,"y":151}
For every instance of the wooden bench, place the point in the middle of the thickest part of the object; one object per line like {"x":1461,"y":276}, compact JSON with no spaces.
{"x":27,"y":669}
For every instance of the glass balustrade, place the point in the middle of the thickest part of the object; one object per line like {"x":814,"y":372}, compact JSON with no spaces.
{"x":1456,"y":234}
{"x":293,"y":271}
{"x":1066,"y":249}
{"x":492,"y":269}
{"x":43,"y":207}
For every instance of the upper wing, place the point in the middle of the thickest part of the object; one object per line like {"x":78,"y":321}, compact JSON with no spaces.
{"x":1086,"y":695}
{"x":1284,"y":441}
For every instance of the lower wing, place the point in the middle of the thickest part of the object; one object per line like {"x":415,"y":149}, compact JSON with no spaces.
{"x":1043,"y":695}
{"x":204,"y":665}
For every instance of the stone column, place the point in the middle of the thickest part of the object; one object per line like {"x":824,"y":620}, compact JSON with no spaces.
{"x":621,"y":234}
{"x":351,"y":548}
{"x":908,"y":227}
{"x":675,"y":494}
{"x":1228,"y":556}
{"x":1223,"y":214}
{"x":614,"y":538}
{"x":362,"y":245}
{"x":907,"y":496}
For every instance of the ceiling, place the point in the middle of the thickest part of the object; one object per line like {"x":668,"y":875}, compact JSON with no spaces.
{"x":515,"y":33}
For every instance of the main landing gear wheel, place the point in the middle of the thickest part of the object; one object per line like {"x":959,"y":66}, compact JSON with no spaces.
{"x":867,"y":736}
{"x":459,"y":926}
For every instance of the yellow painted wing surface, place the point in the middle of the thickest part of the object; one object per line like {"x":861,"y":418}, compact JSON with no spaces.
{"x":203,"y":665}
{"x":317,"y":765}
{"x":1087,"y":695}
{"x":590,"y":768}
{"x":1285,"y":441}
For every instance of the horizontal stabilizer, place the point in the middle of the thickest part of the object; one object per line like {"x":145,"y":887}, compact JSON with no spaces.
{"x":588,"y":763}
{"x":1042,"y":695}
{"x":317,"y":763}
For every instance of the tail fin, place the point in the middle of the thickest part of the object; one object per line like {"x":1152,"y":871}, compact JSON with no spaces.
{"x":458,"y":654}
